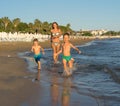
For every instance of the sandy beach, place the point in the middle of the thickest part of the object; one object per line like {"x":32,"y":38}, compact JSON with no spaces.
{"x":16,"y":90}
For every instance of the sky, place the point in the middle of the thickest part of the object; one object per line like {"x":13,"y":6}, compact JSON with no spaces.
{"x":81,"y":14}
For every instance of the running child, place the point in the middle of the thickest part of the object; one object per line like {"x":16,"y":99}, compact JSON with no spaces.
{"x":36,"y":48}
{"x":66,"y":58}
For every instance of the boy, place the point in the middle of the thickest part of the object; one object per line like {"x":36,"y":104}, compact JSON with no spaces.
{"x":66,"y":47}
{"x":37,"y":55}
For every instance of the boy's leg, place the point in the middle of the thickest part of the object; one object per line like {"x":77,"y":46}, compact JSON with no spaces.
{"x":65,"y":67}
{"x":39,"y":65}
{"x":70,"y":63}
{"x":38,"y":75}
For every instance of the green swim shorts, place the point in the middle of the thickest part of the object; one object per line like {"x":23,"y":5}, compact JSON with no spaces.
{"x":67,"y":58}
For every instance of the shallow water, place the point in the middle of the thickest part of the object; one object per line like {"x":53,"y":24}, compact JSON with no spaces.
{"x":97,"y":71}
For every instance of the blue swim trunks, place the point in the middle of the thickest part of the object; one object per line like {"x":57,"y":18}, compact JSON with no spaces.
{"x":37,"y":57}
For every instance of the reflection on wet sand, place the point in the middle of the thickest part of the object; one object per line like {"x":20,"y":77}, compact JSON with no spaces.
{"x":66,"y":93}
{"x":60,"y":93}
{"x":55,"y":91}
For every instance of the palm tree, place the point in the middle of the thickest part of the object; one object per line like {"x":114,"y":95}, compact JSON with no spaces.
{"x":31,"y":27}
{"x":46,"y":28}
{"x":6,"y":21}
{"x":37,"y":25}
{"x":68,"y":28}
{"x":1,"y":25}
{"x":16,"y":22}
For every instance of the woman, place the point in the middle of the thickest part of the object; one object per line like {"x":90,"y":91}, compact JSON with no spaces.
{"x":55,"y":35}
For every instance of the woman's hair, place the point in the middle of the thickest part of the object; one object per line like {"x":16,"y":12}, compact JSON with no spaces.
{"x":56,"y":24}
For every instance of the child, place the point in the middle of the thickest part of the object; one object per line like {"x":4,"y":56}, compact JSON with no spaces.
{"x":66,"y":47}
{"x":37,"y":55}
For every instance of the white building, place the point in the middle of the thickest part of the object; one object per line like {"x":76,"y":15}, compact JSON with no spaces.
{"x":98,"y":32}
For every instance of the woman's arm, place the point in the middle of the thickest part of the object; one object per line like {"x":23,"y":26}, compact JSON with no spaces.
{"x":60,"y":51}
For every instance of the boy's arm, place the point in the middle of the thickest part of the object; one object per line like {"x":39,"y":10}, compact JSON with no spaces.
{"x":75,"y":48}
{"x":32,"y":49}
{"x":42,"y":50}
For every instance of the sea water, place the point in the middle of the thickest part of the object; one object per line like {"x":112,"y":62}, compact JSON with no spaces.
{"x":97,"y":70}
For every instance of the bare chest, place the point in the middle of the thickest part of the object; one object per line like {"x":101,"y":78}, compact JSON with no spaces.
{"x":66,"y":47}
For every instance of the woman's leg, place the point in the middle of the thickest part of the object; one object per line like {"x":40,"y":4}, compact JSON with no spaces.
{"x":57,"y":50}
{"x":54,"y":51}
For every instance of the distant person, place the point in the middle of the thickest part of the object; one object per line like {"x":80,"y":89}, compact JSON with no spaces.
{"x":66,"y":58}
{"x":36,"y":48}
{"x":55,"y":39}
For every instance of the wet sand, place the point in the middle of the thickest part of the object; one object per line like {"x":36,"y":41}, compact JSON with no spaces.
{"x":16,"y":90}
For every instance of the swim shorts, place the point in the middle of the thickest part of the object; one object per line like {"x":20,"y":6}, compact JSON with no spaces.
{"x":67,"y":58}
{"x":37,"y":57}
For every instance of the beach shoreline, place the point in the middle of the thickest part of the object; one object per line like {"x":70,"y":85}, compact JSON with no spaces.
{"x":16,"y":90}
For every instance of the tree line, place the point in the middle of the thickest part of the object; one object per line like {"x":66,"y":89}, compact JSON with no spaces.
{"x":16,"y":25}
